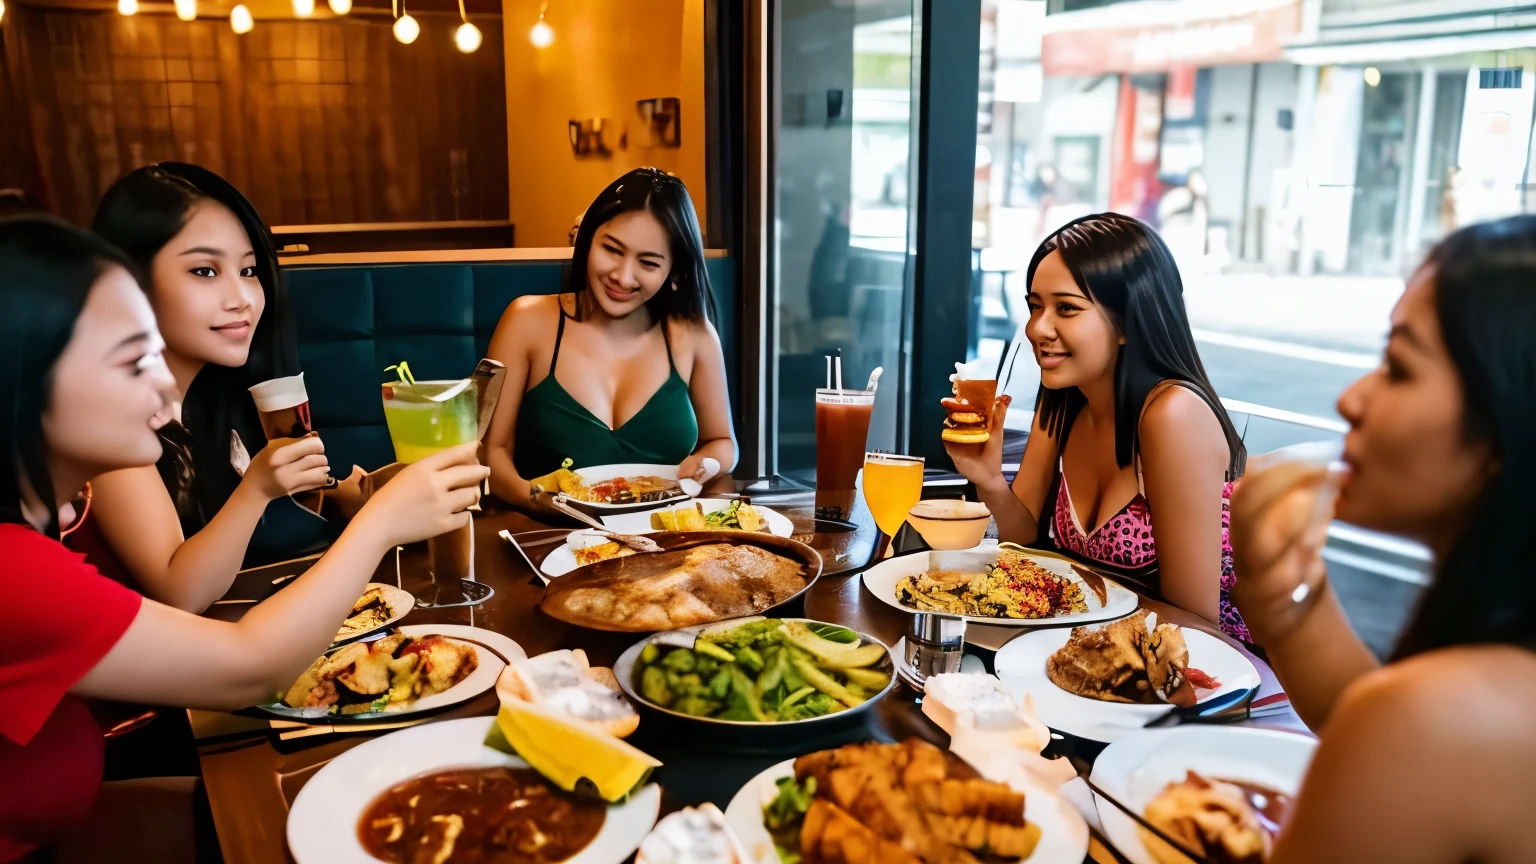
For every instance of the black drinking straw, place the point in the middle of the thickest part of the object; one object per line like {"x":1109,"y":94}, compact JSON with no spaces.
{"x":1003,"y":384}
{"x":1001,"y":358}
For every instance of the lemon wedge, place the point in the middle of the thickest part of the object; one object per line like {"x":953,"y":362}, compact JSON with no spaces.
{"x":570,"y":754}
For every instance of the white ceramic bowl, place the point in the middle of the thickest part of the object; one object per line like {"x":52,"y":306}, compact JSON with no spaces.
{"x":945,"y":523}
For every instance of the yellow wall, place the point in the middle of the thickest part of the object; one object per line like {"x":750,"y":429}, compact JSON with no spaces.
{"x":607,"y":55}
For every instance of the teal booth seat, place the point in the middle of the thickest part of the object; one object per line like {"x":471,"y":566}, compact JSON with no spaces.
{"x":355,"y":320}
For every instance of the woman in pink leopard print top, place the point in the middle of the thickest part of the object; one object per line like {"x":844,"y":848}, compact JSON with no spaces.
{"x":1131,"y":458}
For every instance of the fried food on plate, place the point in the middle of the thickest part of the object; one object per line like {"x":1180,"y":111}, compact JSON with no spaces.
{"x":1135,"y":659}
{"x":387,"y":675}
{"x":877,"y":803}
{"x":1211,"y":817}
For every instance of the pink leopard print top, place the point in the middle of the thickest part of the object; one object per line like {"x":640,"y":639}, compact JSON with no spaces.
{"x":1126,"y":542}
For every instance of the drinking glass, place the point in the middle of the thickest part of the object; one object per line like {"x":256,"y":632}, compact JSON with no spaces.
{"x":892,"y":485}
{"x":427,"y":417}
{"x":842,"y":426}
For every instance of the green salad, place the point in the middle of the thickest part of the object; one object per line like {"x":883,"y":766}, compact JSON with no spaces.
{"x":764,"y":671}
{"x":786,"y":813}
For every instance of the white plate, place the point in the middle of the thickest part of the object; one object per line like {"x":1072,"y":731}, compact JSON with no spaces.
{"x":489,"y":646}
{"x":1137,"y":767}
{"x":400,"y":605}
{"x":1021,"y":666}
{"x":1120,"y":601}
{"x":640,"y":523}
{"x":561,"y":560}
{"x":599,"y":473}
{"x":322,"y":824}
{"x":1063,"y":833}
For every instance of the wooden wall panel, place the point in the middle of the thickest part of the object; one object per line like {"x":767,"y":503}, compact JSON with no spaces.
{"x":318,"y":122}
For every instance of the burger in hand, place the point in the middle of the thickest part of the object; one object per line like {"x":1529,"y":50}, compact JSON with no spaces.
{"x":970,"y":411}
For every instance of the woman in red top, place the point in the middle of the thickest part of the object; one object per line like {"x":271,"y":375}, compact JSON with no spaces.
{"x":81,"y":386}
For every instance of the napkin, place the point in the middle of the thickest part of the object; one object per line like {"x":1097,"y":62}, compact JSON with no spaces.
{"x":1002,"y":739}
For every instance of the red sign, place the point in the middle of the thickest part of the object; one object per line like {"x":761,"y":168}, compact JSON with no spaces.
{"x":1257,"y":36}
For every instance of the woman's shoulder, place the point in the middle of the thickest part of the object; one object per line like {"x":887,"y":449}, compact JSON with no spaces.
{"x":1444,"y":699}
{"x":1176,"y":417}
{"x":526,"y":317}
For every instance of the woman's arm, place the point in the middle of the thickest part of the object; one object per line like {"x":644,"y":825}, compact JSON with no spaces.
{"x":510,"y":347}
{"x":172,"y":657}
{"x":138,"y":521}
{"x":1184,"y":458}
{"x":1416,"y":766}
{"x":1017,"y":509}
{"x":1310,"y":643}
{"x":711,"y":403}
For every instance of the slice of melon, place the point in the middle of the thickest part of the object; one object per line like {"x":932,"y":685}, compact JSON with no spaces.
{"x":571,"y":754}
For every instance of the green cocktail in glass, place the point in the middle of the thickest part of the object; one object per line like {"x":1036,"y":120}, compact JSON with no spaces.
{"x":426,"y":417}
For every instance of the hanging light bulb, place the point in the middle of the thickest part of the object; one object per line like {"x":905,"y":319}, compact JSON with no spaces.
{"x":240,"y":20}
{"x":303,"y":8}
{"x":467,"y":37}
{"x":341,"y":7}
{"x":542,"y":35}
{"x":406,"y":28}
{"x":186,"y":10}
{"x":127,"y":7}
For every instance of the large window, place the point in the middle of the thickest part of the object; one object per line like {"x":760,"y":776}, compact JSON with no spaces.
{"x":844,"y":208}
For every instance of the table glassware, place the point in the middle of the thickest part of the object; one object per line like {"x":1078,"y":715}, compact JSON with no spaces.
{"x":842,"y":428}
{"x":427,"y":417}
{"x":892,"y":485}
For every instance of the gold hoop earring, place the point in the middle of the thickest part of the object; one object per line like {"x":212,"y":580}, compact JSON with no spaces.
{"x":674,"y":286}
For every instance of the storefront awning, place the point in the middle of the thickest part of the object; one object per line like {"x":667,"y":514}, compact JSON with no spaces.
{"x":1340,"y":53}
{"x":1159,"y":35}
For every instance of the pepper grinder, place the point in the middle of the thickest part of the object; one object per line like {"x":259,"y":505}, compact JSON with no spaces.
{"x":935,"y":645}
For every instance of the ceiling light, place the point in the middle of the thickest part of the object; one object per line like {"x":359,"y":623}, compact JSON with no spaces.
{"x":186,"y":10}
{"x":542,"y":35}
{"x":341,"y":7}
{"x":467,"y":37}
{"x":1372,"y":76}
{"x":303,"y":8}
{"x":406,"y":29}
{"x":2,"y":10}
{"x":127,"y":7}
{"x":240,"y":19}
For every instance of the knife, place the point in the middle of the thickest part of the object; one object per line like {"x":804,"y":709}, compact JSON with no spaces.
{"x":1226,"y":708}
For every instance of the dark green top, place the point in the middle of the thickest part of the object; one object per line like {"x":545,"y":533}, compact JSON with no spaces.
{"x":552,"y":426}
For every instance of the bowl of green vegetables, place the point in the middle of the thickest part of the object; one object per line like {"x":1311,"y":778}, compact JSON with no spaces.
{"x":758,"y":672}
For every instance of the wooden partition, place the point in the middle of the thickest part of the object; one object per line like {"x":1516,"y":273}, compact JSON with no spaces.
{"x":319,"y":122}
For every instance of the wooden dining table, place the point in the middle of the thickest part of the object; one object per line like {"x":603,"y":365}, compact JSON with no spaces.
{"x":253,"y":769}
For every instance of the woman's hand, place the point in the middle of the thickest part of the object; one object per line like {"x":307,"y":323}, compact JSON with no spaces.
{"x":427,"y":498}
{"x":982,"y":464}
{"x":695,"y":467}
{"x":288,"y":466}
{"x":1277,"y":543}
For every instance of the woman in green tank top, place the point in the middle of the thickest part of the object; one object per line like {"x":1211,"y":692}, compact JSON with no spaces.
{"x":625,"y":366}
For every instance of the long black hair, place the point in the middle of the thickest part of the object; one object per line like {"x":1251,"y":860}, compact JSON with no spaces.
{"x":47,"y":268}
{"x":1485,"y":297}
{"x":141,"y":213}
{"x":1124,"y":267}
{"x":664,"y":196}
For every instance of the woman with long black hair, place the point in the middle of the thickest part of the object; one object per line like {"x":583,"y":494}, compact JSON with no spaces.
{"x":1131,"y":457}
{"x":625,"y":366}
{"x":84,"y":391}
{"x":1427,"y":759}
{"x":182,"y":528}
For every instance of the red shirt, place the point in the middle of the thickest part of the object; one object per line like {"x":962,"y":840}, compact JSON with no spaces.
{"x":58,"y":618}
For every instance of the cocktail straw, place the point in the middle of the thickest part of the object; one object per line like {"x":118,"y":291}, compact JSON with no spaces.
{"x":837,"y":368}
{"x":829,"y":371}
{"x":1002,"y":386}
{"x":402,"y":369}
{"x":1001,"y":358}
